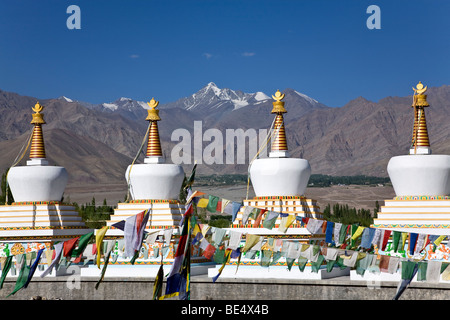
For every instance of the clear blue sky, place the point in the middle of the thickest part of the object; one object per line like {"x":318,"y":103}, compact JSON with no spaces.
{"x":170,"y":49}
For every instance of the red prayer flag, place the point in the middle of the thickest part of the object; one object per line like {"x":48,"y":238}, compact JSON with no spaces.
{"x":69,"y":245}
{"x":387,"y":234}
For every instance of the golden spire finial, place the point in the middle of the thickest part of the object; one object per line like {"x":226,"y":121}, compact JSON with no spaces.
{"x":153,"y":144}
{"x":153,"y":114}
{"x":37,"y":149}
{"x":420,"y":89}
{"x":38,"y":118}
{"x":278,"y":105}
{"x":420,"y":141}
{"x":278,"y":96}
{"x":420,"y":99}
{"x":279,"y":143}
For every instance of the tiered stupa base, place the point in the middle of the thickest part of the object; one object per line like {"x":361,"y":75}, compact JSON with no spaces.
{"x":298,"y":206}
{"x":164,"y":214}
{"x":248,"y":268}
{"x":421,"y":214}
{"x":43,"y":221}
{"x":27,"y":227}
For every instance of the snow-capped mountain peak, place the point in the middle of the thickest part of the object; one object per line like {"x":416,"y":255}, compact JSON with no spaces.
{"x":65,"y":98}
{"x":304,"y":96}
{"x":212,"y":97}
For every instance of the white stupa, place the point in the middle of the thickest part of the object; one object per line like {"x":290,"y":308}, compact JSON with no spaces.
{"x":279,"y":182}
{"x":37,"y":214}
{"x":153,"y":184}
{"x":421,"y":182}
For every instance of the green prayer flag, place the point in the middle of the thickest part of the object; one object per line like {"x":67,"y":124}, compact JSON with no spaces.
{"x":212,"y":203}
{"x":290,"y":262}
{"x":396,"y":239}
{"x":302,"y":261}
{"x":22,"y":278}
{"x":6,"y":268}
{"x":330,"y":265}
{"x":407,"y":269}
{"x":353,"y":230}
{"x":422,"y":271}
{"x":315,"y":266}
{"x":265,"y":257}
{"x":342,"y":233}
{"x":219,"y":256}
{"x":82,"y":244}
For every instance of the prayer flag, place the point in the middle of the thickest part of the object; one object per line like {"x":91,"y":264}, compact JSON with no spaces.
{"x":434,"y":271}
{"x":286,"y":222}
{"x":82,"y":244}
{"x":358,"y":232}
{"x":58,"y":250}
{"x":259,"y":217}
{"x":109,"y":246}
{"x":227,"y":258}
{"x":409,"y":270}
{"x":98,"y":242}
{"x":404,"y":237}
{"x":236,"y":206}
{"x":412,"y":242}
{"x":439,"y":240}
{"x":191,"y":179}
{"x":178,"y":280}
{"x":5,"y":269}
{"x":212,"y":203}
{"x":314,"y":225}
{"x":22,"y":278}
{"x":386,"y":235}
{"x":396,"y":239}
{"x":329,"y":232}
{"x":367,"y":236}
{"x":68,"y":247}
{"x":337,"y":231}
{"x":270,"y":220}
{"x":33,"y":267}
{"x":202,"y":203}
{"x":157,"y":286}
{"x":134,"y":233}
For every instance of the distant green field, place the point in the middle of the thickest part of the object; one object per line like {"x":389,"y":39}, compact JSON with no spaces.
{"x":316,"y":180}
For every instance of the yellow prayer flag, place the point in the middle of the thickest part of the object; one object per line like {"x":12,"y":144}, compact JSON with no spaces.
{"x":250,"y":241}
{"x":98,"y":241}
{"x":196,"y":230}
{"x":358,"y":232}
{"x":202,"y":203}
{"x":404,"y":237}
{"x":438,"y":241}
{"x":286,"y":222}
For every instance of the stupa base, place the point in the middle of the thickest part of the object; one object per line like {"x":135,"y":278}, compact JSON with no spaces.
{"x":164,"y":214}
{"x":40,"y":221}
{"x":426,"y":214}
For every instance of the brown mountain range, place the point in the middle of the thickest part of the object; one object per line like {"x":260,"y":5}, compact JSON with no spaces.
{"x":96,"y":146}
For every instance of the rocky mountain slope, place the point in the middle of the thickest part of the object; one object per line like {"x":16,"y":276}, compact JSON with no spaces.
{"x":97,"y":142}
